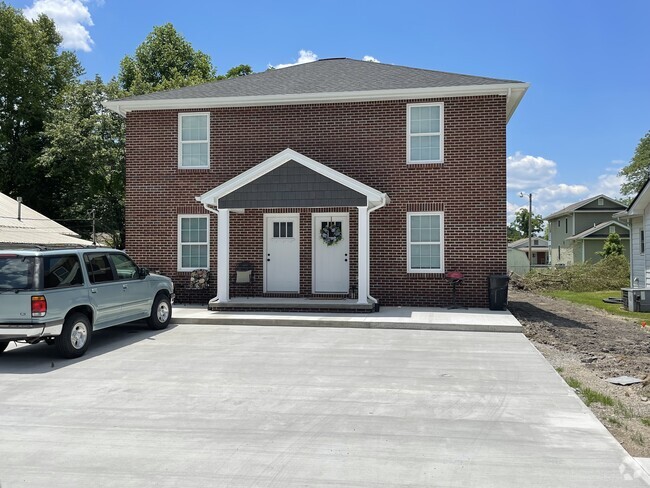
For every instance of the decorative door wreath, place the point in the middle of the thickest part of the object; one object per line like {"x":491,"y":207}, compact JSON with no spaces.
{"x":331,"y":232}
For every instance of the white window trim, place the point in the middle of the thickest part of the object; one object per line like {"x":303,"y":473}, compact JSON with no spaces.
{"x":442,"y":243}
{"x":441,"y":133}
{"x":179,"y":256}
{"x":181,"y":142}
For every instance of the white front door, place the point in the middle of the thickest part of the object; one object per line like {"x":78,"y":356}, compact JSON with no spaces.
{"x":330,"y":253}
{"x":281,"y":253}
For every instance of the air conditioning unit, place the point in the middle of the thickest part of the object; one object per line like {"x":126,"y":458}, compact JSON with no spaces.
{"x":636,"y":299}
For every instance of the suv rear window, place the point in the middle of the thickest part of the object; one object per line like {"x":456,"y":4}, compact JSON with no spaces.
{"x":60,"y":271}
{"x":16,"y":272}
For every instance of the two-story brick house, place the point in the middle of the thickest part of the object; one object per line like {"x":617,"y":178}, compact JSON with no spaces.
{"x":335,"y":178}
{"x":578,"y":231}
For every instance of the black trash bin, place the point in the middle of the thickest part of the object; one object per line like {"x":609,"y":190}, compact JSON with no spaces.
{"x":498,"y":290}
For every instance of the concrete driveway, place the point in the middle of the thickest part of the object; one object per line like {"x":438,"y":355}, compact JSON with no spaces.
{"x":229,"y":406}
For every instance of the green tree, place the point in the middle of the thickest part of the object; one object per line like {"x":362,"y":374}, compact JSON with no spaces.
{"x":234,"y":72}
{"x":638,"y":171}
{"x":612,"y":247}
{"x":165,"y":60}
{"x":518,"y":229}
{"x":84,"y":161}
{"x":33,"y":73}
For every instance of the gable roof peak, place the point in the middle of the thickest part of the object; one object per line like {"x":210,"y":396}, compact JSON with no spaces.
{"x":576,"y":206}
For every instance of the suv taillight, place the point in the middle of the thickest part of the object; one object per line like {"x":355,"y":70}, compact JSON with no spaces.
{"x":39,"y":306}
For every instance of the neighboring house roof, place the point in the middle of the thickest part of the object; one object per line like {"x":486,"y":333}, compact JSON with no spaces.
{"x":33,"y":227}
{"x":597,"y":228}
{"x":638,"y":205}
{"x":576,"y":206}
{"x":326,"y":80}
{"x":522,"y":244}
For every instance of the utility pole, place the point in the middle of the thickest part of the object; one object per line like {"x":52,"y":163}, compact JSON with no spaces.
{"x":530,"y":229}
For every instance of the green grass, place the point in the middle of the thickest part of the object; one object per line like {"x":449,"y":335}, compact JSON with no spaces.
{"x":559,"y":369}
{"x":638,"y":438}
{"x":592,"y":396}
{"x":573,"y":383}
{"x":646,"y":421}
{"x":595,"y":299}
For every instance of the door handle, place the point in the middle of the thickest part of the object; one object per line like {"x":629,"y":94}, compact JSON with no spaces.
{"x":124,"y":287}
{"x":93,"y":290}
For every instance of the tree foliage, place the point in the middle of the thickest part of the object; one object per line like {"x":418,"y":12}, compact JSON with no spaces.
{"x":234,"y":72}
{"x":165,"y":60}
{"x":638,"y":171}
{"x":518,"y":229}
{"x":60,"y":148}
{"x":612,"y":246}
{"x":86,"y":154}
{"x":33,"y":73}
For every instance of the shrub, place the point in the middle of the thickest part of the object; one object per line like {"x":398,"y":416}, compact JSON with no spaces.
{"x":610,"y":273}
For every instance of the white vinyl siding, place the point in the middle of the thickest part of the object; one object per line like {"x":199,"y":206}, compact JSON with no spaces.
{"x":425,"y":238}
{"x":193,"y":242}
{"x":194,"y":140}
{"x":424,"y":142}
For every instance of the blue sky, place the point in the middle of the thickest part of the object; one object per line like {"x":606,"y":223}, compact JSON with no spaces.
{"x":588,"y":64}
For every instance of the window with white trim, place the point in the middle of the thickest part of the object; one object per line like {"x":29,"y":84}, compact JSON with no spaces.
{"x":193,"y":242}
{"x":424,"y":133}
{"x":194,"y":140}
{"x":425,"y":248}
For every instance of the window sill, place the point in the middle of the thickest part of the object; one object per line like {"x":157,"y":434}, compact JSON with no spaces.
{"x":425,"y":163}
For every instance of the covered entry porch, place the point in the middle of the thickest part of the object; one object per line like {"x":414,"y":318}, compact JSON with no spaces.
{"x":304,"y":229}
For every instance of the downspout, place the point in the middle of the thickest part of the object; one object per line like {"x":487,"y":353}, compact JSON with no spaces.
{"x":384,"y":202}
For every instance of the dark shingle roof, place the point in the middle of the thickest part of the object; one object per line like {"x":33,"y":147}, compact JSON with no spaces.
{"x":324,"y":76}
{"x":575,"y":206}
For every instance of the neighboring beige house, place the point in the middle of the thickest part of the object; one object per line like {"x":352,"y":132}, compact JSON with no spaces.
{"x":22,"y":226}
{"x":578,"y":232}
{"x":539,"y":250}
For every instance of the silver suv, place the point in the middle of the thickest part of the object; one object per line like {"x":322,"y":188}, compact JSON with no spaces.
{"x":61,"y":296}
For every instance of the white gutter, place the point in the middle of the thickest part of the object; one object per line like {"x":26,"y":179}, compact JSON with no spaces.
{"x":385,"y":199}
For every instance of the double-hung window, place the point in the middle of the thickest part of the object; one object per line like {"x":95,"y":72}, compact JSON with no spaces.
{"x":424,"y":133}
{"x":425,"y":252}
{"x":194,"y":140}
{"x":193,"y":242}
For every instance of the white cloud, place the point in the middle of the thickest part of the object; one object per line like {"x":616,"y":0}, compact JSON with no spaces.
{"x":371,"y":59}
{"x":70,"y":17}
{"x":525,"y":171}
{"x":305,"y":56}
{"x":536,"y":174}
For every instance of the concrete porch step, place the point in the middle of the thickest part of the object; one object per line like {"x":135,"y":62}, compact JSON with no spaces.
{"x":473,"y":319}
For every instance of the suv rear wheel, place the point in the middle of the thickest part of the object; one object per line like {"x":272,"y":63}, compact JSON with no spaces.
{"x":75,"y":337}
{"x":161,"y":312}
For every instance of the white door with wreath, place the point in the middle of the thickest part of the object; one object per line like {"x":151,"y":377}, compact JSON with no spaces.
{"x":330,"y":253}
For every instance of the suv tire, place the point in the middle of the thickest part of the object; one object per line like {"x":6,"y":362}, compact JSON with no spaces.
{"x":3,"y":346}
{"x":75,"y":336}
{"x":161,"y":312}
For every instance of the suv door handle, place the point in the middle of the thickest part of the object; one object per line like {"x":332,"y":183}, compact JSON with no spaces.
{"x":93,"y":290}
{"x":124,"y":286}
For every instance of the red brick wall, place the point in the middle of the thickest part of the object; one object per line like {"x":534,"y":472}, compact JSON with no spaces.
{"x":366,"y":141}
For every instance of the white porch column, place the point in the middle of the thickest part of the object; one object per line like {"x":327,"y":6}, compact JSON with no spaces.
{"x":364,"y":258}
{"x":223,"y":255}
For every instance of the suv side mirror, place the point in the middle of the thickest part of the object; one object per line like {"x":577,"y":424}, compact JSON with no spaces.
{"x":143,"y":272}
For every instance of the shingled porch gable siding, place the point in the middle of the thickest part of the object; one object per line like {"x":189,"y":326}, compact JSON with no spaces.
{"x":365,"y":141}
